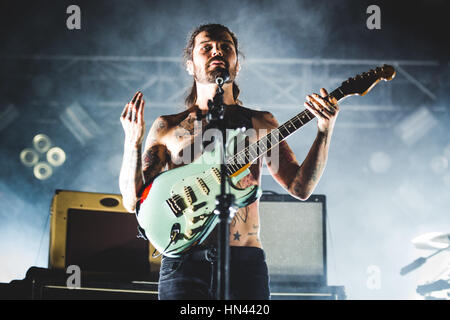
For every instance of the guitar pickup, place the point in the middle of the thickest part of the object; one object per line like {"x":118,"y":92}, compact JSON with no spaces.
{"x":189,"y":195}
{"x":216,"y":174}
{"x":203,"y":186}
{"x":176,"y":204}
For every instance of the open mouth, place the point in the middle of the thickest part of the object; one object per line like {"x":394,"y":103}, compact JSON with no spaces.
{"x":218,"y":63}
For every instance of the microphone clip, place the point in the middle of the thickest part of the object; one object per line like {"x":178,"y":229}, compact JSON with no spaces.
{"x":215,"y":106}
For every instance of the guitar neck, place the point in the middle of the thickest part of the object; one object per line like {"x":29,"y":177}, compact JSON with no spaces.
{"x":296,"y":122}
{"x":360,"y":85}
{"x":272,"y":139}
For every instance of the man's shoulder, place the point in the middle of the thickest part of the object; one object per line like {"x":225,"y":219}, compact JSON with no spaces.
{"x":256,"y":112}
{"x":170,"y":120}
{"x":265,"y":118}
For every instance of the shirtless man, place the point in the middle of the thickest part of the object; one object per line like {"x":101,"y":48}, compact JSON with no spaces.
{"x":210,"y":48}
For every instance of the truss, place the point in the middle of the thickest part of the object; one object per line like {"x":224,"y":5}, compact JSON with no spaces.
{"x":278,"y":85}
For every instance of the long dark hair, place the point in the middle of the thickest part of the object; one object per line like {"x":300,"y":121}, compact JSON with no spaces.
{"x":212,"y":29}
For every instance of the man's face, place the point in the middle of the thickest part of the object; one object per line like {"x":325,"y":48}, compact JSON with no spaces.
{"x":211,"y":55}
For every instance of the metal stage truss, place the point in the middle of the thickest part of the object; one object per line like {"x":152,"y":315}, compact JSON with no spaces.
{"x":278,"y":85}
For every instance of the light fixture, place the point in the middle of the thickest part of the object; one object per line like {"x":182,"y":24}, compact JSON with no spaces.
{"x":56,"y":156}
{"x":42,"y":170}
{"x":79,"y":123}
{"x":42,"y":157}
{"x":41,"y":142}
{"x":416,"y":125}
{"x":29,"y":157}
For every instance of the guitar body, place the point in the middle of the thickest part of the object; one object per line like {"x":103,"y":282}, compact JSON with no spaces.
{"x":176,"y":209}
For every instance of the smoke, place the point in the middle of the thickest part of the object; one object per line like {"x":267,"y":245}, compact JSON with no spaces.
{"x":382,"y":190}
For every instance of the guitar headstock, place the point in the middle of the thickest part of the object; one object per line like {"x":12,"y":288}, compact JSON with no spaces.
{"x":363,"y":83}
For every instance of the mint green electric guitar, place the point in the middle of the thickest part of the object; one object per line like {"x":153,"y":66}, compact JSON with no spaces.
{"x":176,"y":209}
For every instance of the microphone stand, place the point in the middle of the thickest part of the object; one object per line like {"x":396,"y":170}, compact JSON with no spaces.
{"x":224,"y":201}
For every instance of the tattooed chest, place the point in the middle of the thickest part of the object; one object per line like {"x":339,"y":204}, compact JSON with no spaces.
{"x":184,"y":143}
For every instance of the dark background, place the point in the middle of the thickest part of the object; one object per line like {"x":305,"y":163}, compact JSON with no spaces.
{"x":387,"y":179}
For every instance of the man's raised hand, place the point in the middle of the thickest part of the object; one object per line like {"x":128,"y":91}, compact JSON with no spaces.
{"x":325,"y":110}
{"x":132,"y":120}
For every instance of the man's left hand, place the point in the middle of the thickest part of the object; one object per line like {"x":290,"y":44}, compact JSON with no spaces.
{"x":324,"y":108}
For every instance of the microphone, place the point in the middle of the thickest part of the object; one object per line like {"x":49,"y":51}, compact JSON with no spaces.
{"x":222,"y":77}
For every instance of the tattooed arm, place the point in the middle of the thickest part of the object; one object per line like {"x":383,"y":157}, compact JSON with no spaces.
{"x":301,"y":180}
{"x":307,"y":176}
{"x":138,"y":169}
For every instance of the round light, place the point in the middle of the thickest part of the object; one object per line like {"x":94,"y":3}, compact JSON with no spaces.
{"x":439,"y":164}
{"x":41,"y":143}
{"x":380,"y":162}
{"x":446,"y":178}
{"x":56,"y":156}
{"x":29,"y":157}
{"x":42,"y":170}
{"x":447,"y":151}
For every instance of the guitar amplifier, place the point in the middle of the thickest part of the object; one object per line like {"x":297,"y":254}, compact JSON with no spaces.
{"x":293,"y":235}
{"x":96,"y":233}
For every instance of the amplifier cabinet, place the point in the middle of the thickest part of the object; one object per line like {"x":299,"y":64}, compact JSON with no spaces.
{"x":96,"y":233}
{"x":293,"y":235}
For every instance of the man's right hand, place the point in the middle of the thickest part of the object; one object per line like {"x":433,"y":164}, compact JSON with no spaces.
{"x":132,"y":120}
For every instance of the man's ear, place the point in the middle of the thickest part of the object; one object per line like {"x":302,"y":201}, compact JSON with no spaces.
{"x":190,"y":67}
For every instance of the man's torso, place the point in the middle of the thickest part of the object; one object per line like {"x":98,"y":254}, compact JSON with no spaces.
{"x":182,"y":149}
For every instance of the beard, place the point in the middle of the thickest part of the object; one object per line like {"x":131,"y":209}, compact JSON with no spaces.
{"x":217,"y":72}
{"x":209,"y":75}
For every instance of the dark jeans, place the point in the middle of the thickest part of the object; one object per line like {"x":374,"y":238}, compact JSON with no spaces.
{"x":192,"y":276}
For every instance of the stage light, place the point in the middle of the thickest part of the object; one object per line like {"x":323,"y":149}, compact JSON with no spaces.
{"x":79,"y":123}
{"x":29,"y":157}
{"x":41,"y":143}
{"x":380,"y":162}
{"x":43,"y":158}
{"x":416,"y":125}
{"x":56,"y":156}
{"x":42,"y":171}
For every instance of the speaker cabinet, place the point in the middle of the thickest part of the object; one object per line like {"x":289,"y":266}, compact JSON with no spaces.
{"x":96,"y":233}
{"x":293,"y":235}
